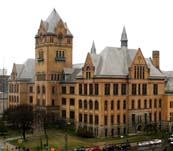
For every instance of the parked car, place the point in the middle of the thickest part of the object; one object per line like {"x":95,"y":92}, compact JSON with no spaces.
{"x":79,"y":149}
{"x":96,"y":148}
{"x":124,"y":146}
{"x":109,"y":147}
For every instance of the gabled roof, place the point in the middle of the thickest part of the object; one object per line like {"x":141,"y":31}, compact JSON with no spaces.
{"x":113,"y":61}
{"x":26,"y":71}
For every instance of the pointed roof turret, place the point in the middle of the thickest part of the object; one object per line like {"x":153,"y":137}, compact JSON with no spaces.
{"x":124,"y":39}
{"x":93,"y":49}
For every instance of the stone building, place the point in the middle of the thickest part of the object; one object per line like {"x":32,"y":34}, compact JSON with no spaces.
{"x":115,"y":92}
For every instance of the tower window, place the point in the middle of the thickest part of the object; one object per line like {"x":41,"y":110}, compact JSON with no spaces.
{"x":59,"y":55}
{"x":40,"y":56}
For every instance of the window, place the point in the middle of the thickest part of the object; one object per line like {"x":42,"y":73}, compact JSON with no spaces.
{"x":85,"y":104}
{"x":118,"y":104}
{"x":139,"y":71}
{"x":63,"y":90}
{"x":133,"y":104}
{"x":133,"y":89}
{"x":150,"y":105}
{"x":145,"y":118}
{"x":155,"y":116}
{"x":80,"y":104}
{"x":124,"y":118}
{"x":90,"y":119}
{"x":171,"y":116}
{"x":30,"y":99}
{"x":96,"y":105}
{"x":53,"y":102}
{"x":133,"y":119}
{"x":72,"y":115}
{"x":96,"y":89}
{"x":40,"y":56}
{"x":80,"y":89}
{"x":63,"y":101}
{"x":123,"y":89}
{"x":105,"y":120}
{"x":71,"y":89}
{"x":72,"y":101}
{"x":112,"y":105}
{"x":106,"y":105}
{"x":150,"y":117}
{"x":43,"y":89}
{"x":38,"y":89}
{"x":88,"y":73}
{"x":90,"y":105}
{"x":145,"y":104}
{"x":91,"y":89}
{"x":124,"y":104}
{"x":80,"y":117}
{"x":85,"y":118}
{"x":96,"y":119}
{"x":59,"y":55}
{"x":144,"y":89}
{"x":107,"y":89}
{"x":112,"y":119}
{"x":160,"y":103}
{"x":115,"y":89}
{"x":30,"y":89}
{"x":53,"y":90}
{"x":155,"y":89}
{"x":171,"y":104}
{"x":139,"y":89}
{"x":85,"y":89}
{"x":160,"y":116}
{"x":139,"y":104}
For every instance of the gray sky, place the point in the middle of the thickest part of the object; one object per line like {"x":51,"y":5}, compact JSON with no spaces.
{"x":148,"y":25}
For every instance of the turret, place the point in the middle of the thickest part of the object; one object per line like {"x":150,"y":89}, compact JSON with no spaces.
{"x":124,"y":39}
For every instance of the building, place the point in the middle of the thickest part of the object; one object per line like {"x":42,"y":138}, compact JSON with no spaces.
{"x":115,"y":92}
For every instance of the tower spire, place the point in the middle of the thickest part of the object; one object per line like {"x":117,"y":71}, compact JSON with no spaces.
{"x":124,"y":39}
{"x":93,"y":49}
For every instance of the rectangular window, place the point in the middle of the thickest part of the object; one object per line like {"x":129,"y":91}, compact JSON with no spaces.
{"x":80,"y":117}
{"x":150,"y":105}
{"x":96,"y":89}
{"x":155,"y":103}
{"x":72,"y":102}
{"x":145,"y":104}
{"x":80,"y":89}
{"x":139,"y":89}
{"x":144,"y":89}
{"x":96,"y":120}
{"x":30,"y":89}
{"x":63,"y":101}
{"x":160,"y":103}
{"x":124,"y":104}
{"x":63,"y":114}
{"x":105,"y":120}
{"x":90,"y":119}
{"x":171,"y":104}
{"x":53,"y":90}
{"x":91,"y":89}
{"x":112,"y":105}
{"x":118,"y":105}
{"x":115,"y":89}
{"x":124,"y":118}
{"x":63,"y":90}
{"x":133,"y":104}
{"x":85,"y":89}
{"x":107,"y":89}
{"x":72,"y":115}
{"x":155,"y":89}
{"x":133,"y":89}
{"x":123,"y":89}
{"x":71,"y":89}
{"x":145,"y":118}
{"x":85,"y":118}
{"x":112,"y":119}
{"x":133,"y":119}
{"x":30,"y":99}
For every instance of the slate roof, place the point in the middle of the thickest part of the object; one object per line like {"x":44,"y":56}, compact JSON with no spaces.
{"x":52,"y":21}
{"x":114,"y":61}
{"x":169,"y":81}
{"x":26,"y":71}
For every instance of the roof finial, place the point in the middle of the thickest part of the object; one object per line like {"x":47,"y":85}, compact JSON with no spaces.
{"x":124,"y":39}
{"x":93,"y":49}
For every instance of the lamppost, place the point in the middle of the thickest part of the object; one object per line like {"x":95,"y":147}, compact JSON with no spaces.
{"x":66,"y":137}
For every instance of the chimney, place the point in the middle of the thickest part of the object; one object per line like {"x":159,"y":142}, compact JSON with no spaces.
{"x":156,"y":59}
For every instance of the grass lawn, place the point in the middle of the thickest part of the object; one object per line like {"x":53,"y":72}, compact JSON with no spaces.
{"x":56,"y":139}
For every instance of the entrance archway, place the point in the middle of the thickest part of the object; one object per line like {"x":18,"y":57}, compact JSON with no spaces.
{"x":139,"y":127}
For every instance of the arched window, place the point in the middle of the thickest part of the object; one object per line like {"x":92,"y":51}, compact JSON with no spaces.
{"x":96,"y":105}
{"x":90,"y":105}
{"x":85,"y":104}
{"x":43,"y":89}
{"x":80,"y":104}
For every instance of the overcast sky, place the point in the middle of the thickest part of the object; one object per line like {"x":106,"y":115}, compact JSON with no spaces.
{"x":149,"y":25}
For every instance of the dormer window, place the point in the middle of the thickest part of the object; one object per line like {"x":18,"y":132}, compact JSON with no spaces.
{"x":59,"y":55}
{"x":88,"y":73}
{"x":60,"y":36}
{"x":40,"y":56}
{"x":139,"y":72}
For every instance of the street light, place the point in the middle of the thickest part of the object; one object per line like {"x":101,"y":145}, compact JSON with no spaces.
{"x":66,"y":137}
